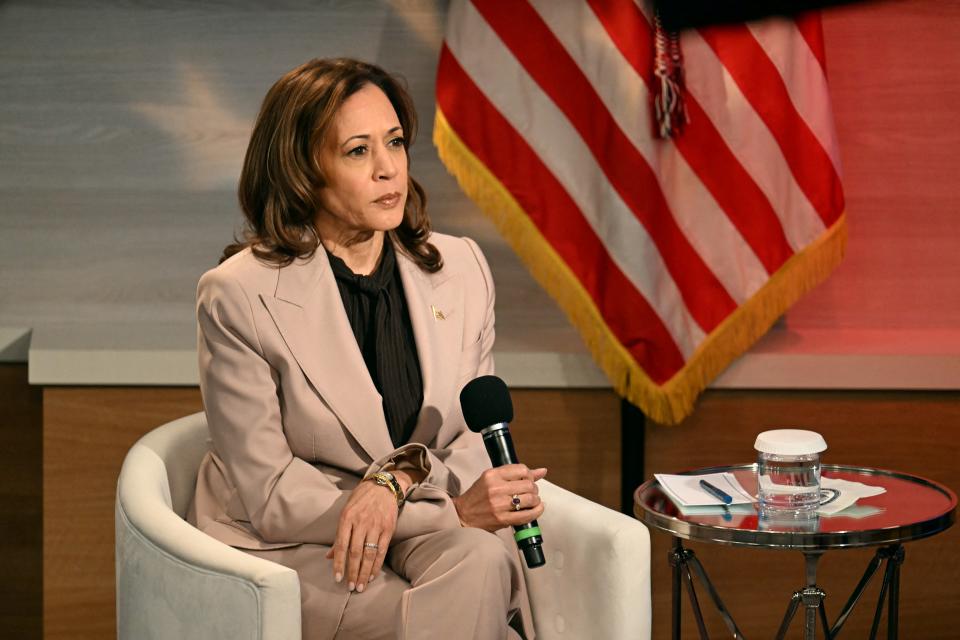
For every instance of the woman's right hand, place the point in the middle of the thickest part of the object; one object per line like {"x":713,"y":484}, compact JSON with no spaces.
{"x":488,"y":503}
{"x":364,"y":531}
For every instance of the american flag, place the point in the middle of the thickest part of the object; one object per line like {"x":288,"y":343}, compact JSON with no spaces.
{"x":670,"y":255}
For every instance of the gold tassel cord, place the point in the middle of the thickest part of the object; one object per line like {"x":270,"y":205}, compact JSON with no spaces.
{"x":673,"y":401}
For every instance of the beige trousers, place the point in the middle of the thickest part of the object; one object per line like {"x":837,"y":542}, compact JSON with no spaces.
{"x":455,"y":583}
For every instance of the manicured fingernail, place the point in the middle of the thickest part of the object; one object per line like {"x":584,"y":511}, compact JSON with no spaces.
{"x":370,"y":579}
{"x":338,"y":576}
{"x":360,"y":588}
{"x":351,"y":586}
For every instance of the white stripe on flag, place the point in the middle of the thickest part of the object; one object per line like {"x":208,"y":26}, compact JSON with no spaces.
{"x":804,"y":78}
{"x":749,"y":139}
{"x":625,"y":96}
{"x":520,"y":100}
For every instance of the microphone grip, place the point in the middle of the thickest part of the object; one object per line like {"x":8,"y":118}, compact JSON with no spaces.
{"x":499,"y":447}
{"x":531,"y":544}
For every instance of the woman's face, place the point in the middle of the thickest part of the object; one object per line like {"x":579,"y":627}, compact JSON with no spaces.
{"x":365,"y":166}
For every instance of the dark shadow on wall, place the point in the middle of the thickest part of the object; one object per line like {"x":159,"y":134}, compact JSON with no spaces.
{"x":21,"y":502}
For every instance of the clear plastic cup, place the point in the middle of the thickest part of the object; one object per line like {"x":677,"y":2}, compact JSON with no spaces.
{"x":788,"y":472}
{"x":787,"y":521}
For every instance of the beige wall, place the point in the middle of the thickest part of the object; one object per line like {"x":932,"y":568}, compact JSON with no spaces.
{"x":122,"y":131}
{"x":122,"y":127}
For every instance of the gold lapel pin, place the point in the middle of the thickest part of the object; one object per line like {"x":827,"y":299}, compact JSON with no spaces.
{"x":437,"y":314}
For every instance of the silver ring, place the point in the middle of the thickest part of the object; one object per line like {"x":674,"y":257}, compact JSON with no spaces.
{"x":516,"y":502}
{"x":371,"y":545}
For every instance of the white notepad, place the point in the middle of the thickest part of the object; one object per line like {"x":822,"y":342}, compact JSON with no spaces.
{"x":685,"y":490}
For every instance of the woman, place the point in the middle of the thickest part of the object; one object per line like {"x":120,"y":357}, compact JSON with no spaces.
{"x":333,"y":343}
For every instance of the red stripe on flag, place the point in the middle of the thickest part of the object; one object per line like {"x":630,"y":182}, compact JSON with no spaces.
{"x":518,"y":167}
{"x":763,"y":86}
{"x":630,"y":31}
{"x":544,"y":58}
{"x":701,"y":144}
{"x":811,"y":28}
{"x":735,"y":191}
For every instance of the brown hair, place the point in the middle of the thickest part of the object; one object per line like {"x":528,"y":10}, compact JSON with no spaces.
{"x":281,"y":178}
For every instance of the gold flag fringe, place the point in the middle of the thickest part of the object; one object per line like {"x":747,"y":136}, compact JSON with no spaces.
{"x":674,"y":400}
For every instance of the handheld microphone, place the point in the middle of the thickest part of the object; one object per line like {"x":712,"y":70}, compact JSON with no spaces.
{"x":487,"y":410}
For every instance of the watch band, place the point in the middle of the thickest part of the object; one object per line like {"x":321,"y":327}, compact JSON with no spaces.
{"x":386,"y":479}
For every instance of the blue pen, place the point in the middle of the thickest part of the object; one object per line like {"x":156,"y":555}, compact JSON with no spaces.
{"x":715,"y":492}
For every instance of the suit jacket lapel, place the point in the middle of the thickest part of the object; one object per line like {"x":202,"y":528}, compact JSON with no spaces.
{"x":308,"y":312}
{"x":435,"y":304}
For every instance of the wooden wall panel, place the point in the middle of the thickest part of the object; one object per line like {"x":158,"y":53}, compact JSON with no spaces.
{"x":20,"y":515}
{"x":912,"y":432}
{"x":86,"y":434}
{"x":576,"y":435}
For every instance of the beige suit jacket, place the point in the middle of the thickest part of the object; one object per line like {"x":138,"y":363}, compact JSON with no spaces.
{"x":294,"y":417}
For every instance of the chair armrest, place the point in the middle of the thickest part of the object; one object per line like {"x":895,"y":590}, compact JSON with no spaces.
{"x":596,"y":582}
{"x":174,"y":581}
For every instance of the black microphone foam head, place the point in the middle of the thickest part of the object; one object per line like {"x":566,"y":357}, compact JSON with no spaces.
{"x":486,"y":401}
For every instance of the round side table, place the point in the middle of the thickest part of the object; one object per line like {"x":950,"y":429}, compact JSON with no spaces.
{"x":911,"y":508}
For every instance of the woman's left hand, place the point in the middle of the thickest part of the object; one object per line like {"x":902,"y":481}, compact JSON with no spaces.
{"x":366,"y":526}
{"x":500,"y":497}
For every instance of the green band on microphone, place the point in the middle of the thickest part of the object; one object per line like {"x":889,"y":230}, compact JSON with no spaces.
{"x":523,"y":534}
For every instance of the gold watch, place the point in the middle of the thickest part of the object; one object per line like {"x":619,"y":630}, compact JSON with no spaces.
{"x":386,"y":479}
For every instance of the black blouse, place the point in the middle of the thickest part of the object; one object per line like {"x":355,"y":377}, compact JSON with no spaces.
{"x":377,"y":310}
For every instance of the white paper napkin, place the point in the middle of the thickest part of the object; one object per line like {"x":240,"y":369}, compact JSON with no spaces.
{"x":836,"y":494}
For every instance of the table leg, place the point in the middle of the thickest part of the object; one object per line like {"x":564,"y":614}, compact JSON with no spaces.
{"x":683,"y":561}
{"x":894,"y":556}
{"x":681,"y":572}
{"x":883,"y":594}
{"x":823,"y":620}
{"x":712,"y":591}
{"x":812,"y":596}
{"x":676,"y":559}
{"x":694,"y":602}
{"x":893,"y":604}
{"x":857,"y":592}
{"x":889,"y":588}
{"x":788,"y":616}
{"x":813,"y":603}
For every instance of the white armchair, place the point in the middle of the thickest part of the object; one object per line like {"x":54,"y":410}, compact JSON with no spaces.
{"x":175,"y":582}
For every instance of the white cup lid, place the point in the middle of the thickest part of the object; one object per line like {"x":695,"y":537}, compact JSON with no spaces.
{"x":790,"y":442}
